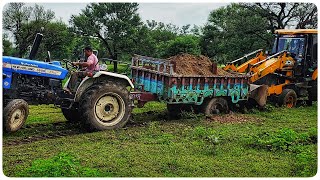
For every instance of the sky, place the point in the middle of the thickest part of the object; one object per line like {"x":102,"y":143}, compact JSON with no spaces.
{"x":176,"y":13}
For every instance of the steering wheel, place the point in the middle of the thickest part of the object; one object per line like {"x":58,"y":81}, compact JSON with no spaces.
{"x":69,"y":63}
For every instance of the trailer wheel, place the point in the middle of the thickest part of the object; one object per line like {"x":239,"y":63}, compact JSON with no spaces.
{"x":288,"y":98}
{"x":15,"y":115}
{"x":215,"y":105}
{"x":72,"y":115}
{"x":173,"y":110}
{"x":105,"y":106}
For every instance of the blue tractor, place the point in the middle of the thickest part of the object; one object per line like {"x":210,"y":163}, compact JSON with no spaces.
{"x":101,"y":101}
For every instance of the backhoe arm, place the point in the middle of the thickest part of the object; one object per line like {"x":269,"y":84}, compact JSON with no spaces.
{"x":270,"y":65}
{"x":244,"y":67}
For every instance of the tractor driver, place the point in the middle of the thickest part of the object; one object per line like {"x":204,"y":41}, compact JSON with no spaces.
{"x":91,"y":65}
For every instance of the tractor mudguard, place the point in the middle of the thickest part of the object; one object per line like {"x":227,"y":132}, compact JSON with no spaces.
{"x":88,"y":81}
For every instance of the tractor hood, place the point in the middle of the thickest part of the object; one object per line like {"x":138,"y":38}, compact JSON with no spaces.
{"x":33,"y":67}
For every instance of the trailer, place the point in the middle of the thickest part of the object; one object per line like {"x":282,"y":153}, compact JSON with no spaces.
{"x":156,"y":80}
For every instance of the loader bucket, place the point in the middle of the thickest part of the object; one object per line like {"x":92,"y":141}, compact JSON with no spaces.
{"x":259,"y":93}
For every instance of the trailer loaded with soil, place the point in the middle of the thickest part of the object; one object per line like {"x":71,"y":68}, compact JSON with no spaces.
{"x":187,"y":82}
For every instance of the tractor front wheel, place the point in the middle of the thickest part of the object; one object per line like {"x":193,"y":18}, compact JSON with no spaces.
{"x":106,"y":106}
{"x":15,"y":115}
{"x":288,"y":98}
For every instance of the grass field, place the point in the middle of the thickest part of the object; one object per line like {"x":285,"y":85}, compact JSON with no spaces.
{"x":278,"y":142}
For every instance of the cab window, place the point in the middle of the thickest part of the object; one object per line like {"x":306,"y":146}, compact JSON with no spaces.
{"x":293,"y":45}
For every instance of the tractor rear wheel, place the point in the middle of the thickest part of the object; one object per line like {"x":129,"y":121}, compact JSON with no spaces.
{"x":215,"y":105}
{"x":15,"y":115}
{"x":72,"y":115}
{"x":105,"y":106}
{"x":288,"y":98}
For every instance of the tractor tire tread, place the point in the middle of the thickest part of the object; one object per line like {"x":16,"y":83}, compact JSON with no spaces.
{"x":7,"y":111}
{"x":86,"y":105}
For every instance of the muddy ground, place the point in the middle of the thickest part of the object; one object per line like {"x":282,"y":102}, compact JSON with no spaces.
{"x":233,"y":118}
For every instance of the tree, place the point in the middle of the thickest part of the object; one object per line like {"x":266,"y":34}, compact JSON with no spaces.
{"x":182,"y":44}
{"x":58,"y":40}
{"x":233,"y":31}
{"x":161,"y":40}
{"x":24,"y":22}
{"x":115,"y":24}
{"x":286,"y":15}
{"x":153,"y":37}
{"x":7,"y":48}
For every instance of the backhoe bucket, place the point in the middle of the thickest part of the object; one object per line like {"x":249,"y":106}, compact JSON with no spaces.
{"x":259,"y":93}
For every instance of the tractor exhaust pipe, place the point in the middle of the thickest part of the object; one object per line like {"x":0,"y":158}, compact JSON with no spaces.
{"x":259,"y":93}
{"x":35,"y":46}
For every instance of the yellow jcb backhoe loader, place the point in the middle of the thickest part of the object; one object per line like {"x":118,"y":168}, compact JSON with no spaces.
{"x":288,"y":74}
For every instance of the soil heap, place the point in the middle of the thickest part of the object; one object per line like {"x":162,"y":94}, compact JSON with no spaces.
{"x":187,"y":64}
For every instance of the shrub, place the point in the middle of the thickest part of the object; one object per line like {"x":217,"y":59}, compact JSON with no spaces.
{"x":61,"y":165}
{"x":207,"y":138}
{"x":283,"y":139}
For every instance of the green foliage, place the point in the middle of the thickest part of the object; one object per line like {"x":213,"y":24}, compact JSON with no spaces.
{"x":202,"y":132}
{"x":7,"y":49}
{"x":307,"y":162}
{"x":284,"y":15}
{"x":61,"y":165}
{"x":115,"y":24}
{"x":207,"y":138}
{"x":58,"y":40}
{"x":122,"y":68}
{"x":182,"y":44}
{"x":24,"y":22}
{"x":285,"y":139}
{"x":233,"y":31}
{"x":289,"y":140}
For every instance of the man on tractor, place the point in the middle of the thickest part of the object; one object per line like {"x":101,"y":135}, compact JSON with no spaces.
{"x":91,"y":65}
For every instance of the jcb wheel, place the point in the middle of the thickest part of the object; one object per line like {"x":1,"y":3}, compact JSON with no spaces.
{"x":105,"y":106}
{"x":288,"y":98}
{"x":15,"y":115}
{"x":215,"y":106}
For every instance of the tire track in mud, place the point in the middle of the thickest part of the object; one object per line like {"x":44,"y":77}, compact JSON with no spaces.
{"x":62,"y":129}
{"x":35,"y":138}
{"x":37,"y":125}
{"x":56,"y":130}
